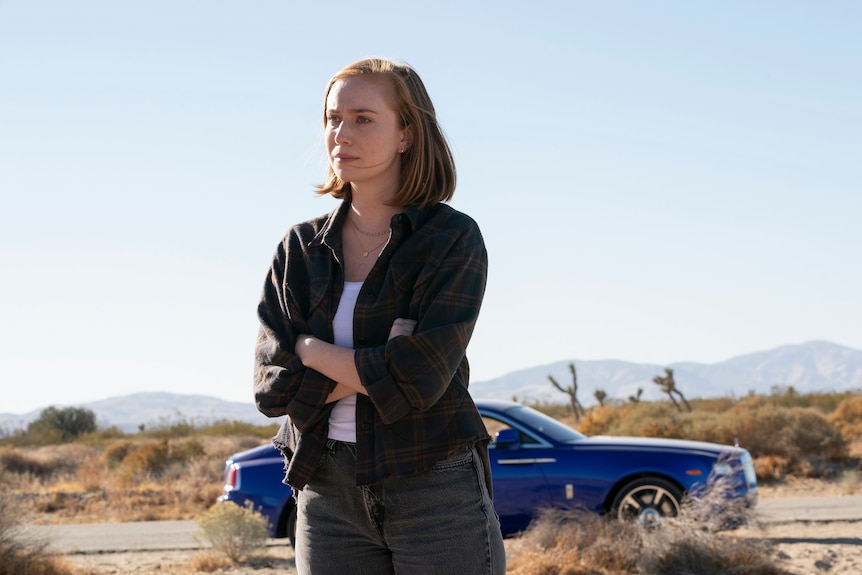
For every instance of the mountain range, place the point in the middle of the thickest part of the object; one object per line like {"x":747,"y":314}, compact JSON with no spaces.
{"x":816,"y":366}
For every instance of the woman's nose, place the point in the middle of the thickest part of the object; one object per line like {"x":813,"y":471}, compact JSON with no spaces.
{"x":341,"y":134}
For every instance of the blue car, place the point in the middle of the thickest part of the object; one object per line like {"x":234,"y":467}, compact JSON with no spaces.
{"x":536,"y":463}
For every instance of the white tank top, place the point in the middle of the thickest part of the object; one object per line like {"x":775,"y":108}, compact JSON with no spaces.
{"x":342,"y":420}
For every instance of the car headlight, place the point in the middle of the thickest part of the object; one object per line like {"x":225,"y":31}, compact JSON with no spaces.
{"x":722,"y":469}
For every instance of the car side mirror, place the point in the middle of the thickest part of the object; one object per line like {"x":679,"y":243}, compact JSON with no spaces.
{"x":509,"y":439}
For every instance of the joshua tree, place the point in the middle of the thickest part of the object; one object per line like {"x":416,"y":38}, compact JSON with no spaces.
{"x":637,"y":397}
{"x":600,"y":396}
{"x":668,"y":385}
{"x":571,"y":391}
{"x":673,"y":388}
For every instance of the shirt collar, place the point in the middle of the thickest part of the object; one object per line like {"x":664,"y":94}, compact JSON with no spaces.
{"x":330,"y":233}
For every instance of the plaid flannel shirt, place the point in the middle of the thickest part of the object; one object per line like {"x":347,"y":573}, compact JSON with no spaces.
{"x":418,"y":410}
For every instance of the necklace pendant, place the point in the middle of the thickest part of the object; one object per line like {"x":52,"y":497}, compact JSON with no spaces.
{"x":365,"y":254}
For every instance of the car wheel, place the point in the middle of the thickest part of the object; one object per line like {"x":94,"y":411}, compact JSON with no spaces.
{"x":647,"y":500}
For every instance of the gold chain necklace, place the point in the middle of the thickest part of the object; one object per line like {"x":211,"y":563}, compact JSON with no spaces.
{"x":368,"y":234}
{"x":365,"y":252}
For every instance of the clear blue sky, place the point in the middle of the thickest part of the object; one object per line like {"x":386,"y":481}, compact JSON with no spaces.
{"x":656,"y":181}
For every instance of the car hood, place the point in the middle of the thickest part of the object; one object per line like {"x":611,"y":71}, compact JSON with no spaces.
{"x":652,"y":444}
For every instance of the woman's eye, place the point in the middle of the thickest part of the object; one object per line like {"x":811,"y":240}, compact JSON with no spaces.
{"x":363,"y":120}
{"x":333,"y":120}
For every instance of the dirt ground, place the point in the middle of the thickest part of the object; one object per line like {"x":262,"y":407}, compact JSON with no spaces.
{"x":802,"y":548}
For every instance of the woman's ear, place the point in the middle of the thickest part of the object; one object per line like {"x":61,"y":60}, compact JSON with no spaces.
{"x":406,"y":140}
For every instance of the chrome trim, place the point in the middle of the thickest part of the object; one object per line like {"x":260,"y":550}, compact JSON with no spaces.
{"x":515,"y":424}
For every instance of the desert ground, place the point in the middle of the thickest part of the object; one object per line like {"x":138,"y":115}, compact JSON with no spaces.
{"x":801,"y":548}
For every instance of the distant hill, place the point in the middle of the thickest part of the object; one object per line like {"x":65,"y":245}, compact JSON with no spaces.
{"x":128,"y":412}
{"x":816,"y":366}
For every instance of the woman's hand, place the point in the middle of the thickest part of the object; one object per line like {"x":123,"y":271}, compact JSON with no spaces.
{"x":402,"y":326}
{"x":303,"y":347}
{"x":332,"y":361}
{"x":337,"y":363}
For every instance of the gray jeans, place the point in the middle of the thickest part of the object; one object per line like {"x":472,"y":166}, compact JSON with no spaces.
{"x":439,"y":522}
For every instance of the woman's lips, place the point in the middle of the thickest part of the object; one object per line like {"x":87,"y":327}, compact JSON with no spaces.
{"x":342,"y":158}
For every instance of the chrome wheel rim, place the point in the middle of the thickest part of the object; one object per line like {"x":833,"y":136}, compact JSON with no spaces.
{"x":648,"y":505}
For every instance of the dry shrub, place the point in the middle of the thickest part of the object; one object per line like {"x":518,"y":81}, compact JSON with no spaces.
{"x":116,"y":452}
{"x":766,"y":426}
{"x":634,"y":417}
{"x":15,"y":461}
{"x":36,"y":435}
{"x":580,"y":543}
{"x":92,"y":474}
{"x":771,"y":467}
{"x":676,"y":548}
{"x":185,"y":451}
{"x":62,"y":503}
{"x":239,"y":429}
{"x":715,"y":505}
{"x":240,"y":533}
{"x":600,"y":420}
{"x":130,"y":478}
{"x":672,"y":429}
{"x":196,"y":484}
{"x":223,"y":446}
{"x":20,"y":556}
{"x":850,"y":481}
{"x":575,"y":542}
{"x":144,"y":460}
{"x":31,"y":470}
{"x":805,"y":468}
{"x":794,"y":433}
{"x":847,"y":417}
{"x":135,"y":461}
{"x":208,"y":562}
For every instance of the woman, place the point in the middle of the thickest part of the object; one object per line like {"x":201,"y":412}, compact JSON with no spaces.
{"x":365,"y":318}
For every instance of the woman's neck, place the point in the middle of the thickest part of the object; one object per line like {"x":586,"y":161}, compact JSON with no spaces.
{"x":372,"y":216}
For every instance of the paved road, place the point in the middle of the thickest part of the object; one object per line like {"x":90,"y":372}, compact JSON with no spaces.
{"x":152,"y":535}
{"x":793,"y":509}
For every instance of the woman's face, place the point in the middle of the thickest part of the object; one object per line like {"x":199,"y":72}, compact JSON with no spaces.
{"x":363,"y":134}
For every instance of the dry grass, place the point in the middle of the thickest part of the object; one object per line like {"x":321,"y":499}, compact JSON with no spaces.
{"x":209,"y":562}
{"x":787,"y":434}
{"x":175,"y":473}
{"x":565,"y":542}
{"x":22,"y":556}
{"x":578,"y":543}
{"x":130,"y":479}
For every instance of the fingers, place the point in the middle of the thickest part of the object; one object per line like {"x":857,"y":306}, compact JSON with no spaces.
{"x":402,"y":326}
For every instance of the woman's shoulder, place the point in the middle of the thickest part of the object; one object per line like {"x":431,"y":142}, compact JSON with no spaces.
{"x":444,"y":216}
{"x":444,"y":228}
{"x":312,"y":227}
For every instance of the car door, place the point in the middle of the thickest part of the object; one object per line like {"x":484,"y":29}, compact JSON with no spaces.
{"x":520,"y":488}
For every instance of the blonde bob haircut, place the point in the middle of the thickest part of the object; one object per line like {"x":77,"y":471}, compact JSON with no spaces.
{"x":427,"y":167}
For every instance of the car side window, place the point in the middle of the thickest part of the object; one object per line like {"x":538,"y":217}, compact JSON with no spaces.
{"x":494,"y":426}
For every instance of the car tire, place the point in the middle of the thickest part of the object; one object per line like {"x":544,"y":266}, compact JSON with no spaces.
{"x":647,"y":500}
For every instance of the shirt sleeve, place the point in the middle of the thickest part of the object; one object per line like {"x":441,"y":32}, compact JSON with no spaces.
{"x":412,"y":372}
{"x":282,"y":384}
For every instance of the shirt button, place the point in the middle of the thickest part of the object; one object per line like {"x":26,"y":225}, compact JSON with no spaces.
{"x":365,"y":427}
{"x":361,"y":341}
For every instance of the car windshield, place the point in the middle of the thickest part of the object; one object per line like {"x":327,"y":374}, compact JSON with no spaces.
{"x":545,"y":424}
